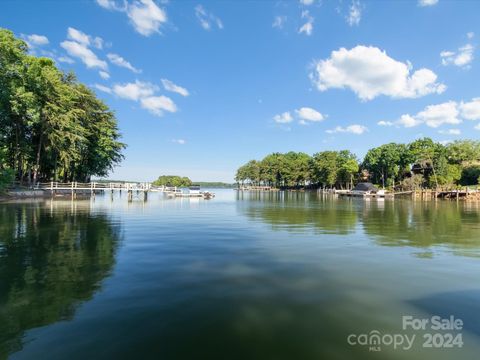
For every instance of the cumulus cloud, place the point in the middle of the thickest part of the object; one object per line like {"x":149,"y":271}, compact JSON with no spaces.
{"x":82,"y":52}
{"x":436,"y":115}
{"x":121,"y":62}
{"x":134,"y":91}
{"x":427,"y":2}
{"x":179,"y":141}
{"x":84,"y":39}
{"x":353,"y":129}
{"x":170,"y":86}
{"x":306,"y":114}
{"x":35,"y":40}
{"x":206,"y":19}
{"x":283,"y":118}
{"x":477,"y":127}
{"x":462,"y":57}
{"x":433,"y":116}
{"x":307,"y":27}
{"x":470,"y":35}
{"x":144,"y":93}
{"x":471,"y":110}
{"x":370,"y":72}
{"x":307,"y":2}
{"x":355,"y":13}
{"x":279,"y":22}
{"x":145,"y":16}
{"x":158,"y":104}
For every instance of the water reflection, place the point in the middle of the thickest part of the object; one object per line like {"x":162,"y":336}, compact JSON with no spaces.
{"x":297,"y":211}
{"x":52,"y":258}
{"x":390,"y":223}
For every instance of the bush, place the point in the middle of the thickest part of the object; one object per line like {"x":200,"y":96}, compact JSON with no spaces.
{"x":470,"y":175}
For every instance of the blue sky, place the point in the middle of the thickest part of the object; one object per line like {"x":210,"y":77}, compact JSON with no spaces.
{"x":200,"y":87}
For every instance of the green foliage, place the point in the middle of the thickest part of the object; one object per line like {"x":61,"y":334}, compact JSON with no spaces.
{"x":7,"y":175}
{"x":470,"y":175}
{"x":172,"y":180}
{"x":51,"y":126}
{"x":297,"y":169}
{"x":410,"y":166}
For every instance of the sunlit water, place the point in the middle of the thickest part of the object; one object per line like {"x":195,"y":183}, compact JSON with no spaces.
{"x":242,"y":276}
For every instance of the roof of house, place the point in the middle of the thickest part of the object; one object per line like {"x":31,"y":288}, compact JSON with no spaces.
{"x":365,"y":186}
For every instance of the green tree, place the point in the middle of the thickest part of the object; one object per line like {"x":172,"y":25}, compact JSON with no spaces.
{"x":51,"y":126}
{"x":172,"y":180}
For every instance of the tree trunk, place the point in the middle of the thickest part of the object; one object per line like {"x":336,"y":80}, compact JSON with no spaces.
{"x":37,"y":161}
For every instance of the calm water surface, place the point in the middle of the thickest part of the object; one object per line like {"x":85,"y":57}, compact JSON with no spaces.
{"x":243,"y":276}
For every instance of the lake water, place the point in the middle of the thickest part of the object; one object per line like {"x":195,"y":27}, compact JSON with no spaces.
{"x":242,"y":276}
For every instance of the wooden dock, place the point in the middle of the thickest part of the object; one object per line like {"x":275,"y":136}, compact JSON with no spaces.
{"x":77,"y":188}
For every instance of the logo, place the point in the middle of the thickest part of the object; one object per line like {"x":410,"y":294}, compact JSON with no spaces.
{"x":434,"y":332}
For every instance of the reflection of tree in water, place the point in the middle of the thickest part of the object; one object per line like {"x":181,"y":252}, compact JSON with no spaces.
{"x":424,"y":224}
{"x":50,"y":262}
{"x":299,"y":211}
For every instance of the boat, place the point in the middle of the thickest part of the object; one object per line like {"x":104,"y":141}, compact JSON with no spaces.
{"x":366,"y":190}
{"x":193,"y":192}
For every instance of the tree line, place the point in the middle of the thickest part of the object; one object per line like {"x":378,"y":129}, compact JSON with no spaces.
{"x":52,"y":127}
{"x":422,"y":163}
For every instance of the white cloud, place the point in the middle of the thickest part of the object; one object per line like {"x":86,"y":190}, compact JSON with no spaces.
{"x":66,"y":59}
{"x":462,"y":57}
{"x":104,"y":75}
{"x":179,"y":141}
{"x":135,"y":91}
{"x":385,"y":123}
{"x":355,"y":13}
{"x":86,"y":55}
{"x":471,"y":110}
{"x":146,"y":17}
{"x":170,"y":86}
{"x":35,"y":40}
{"x":477,"y":127}
{"x":110,"y":5}
{"x":450,"y":132}
{"x":427,"y":2}
{"x":144,"y":93}
{"x":78,"y":36}
{"x":279,"y":22}
{"x":470,"y":35}
{"x":103,"y":88}
{"x":283,"y":118}
{"x":370,"y":72}
{"x":408,"y":121}
{"x":308,"y":114}
{"x":436,"y":115}
{"x":433,"y":116}
{"x":307,"y":2}
{"x":158,"y":104}
{"x":121,"y":62}
{"x":207,"y":19}
{"x":353,"y":129}
{"x":307,"y":27}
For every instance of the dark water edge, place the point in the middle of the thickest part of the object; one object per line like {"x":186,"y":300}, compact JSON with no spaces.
{"x":257,"y":276}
